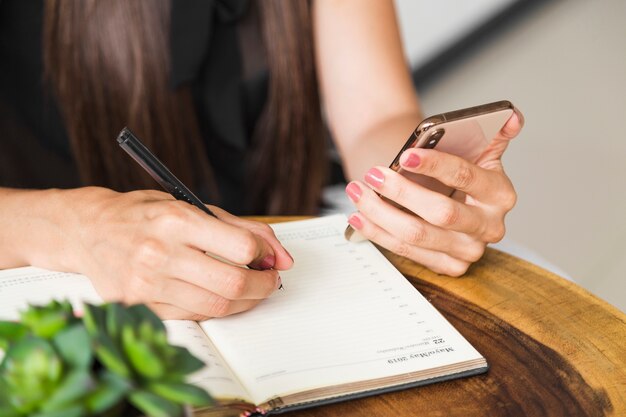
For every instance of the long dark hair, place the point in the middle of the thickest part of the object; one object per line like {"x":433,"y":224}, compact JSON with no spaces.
{"x":107,"y":63}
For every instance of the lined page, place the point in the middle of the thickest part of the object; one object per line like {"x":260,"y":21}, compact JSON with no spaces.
{"x":22,"y":286}
{"x":345,"y":315}
{"x":215,"y":377}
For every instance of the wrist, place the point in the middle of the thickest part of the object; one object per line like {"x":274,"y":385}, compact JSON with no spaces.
{"x":45,"y":228}
{"x":26,"y":225}
{"x":76,"y":214}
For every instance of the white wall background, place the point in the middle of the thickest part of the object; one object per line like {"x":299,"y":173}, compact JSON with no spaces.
{"x":564,"y":66}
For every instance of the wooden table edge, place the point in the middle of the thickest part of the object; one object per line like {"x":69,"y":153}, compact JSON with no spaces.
{"x":590,"y":335}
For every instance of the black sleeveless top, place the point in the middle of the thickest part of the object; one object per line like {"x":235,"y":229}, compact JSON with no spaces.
{"x":214,"y":44}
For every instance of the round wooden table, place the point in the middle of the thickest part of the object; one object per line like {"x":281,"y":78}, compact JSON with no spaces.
{"x":554,"y":349}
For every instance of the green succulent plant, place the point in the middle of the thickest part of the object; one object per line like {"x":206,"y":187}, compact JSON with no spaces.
{"x":116,"y":360}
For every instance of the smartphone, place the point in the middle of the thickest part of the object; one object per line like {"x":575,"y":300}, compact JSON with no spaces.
{"x":465,"y":133}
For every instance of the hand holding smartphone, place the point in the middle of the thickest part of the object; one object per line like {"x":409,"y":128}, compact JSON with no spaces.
{"x":465,"y":133}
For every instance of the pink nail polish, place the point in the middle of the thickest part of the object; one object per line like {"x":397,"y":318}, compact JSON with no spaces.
{"x":374,"y":177}
{"x":354,"y":192}
{"x":268,"y":262}
{"x":410,"y":161}
{"x":355,"y":222}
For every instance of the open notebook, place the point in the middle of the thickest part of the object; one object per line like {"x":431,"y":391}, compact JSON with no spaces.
{"x":347,"y":324}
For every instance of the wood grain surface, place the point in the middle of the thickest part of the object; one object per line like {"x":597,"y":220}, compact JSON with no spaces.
{"x":554,"y":348}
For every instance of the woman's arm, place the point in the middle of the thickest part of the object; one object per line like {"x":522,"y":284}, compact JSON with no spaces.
{"x":33,"y":230}
{"x":143,"y":246}
{"x":372,"y":109}
{"x":366,"y":87}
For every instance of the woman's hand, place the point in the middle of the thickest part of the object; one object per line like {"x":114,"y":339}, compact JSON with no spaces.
{"x":145,"y":247}
{"x":445,"y":234}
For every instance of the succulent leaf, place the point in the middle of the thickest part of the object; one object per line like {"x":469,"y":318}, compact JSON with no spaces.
{"x":93,"y":319}
{"x":31,"y":370}
{"x":143,"y":313}
{"x":110,"y":355}
{"x":73,"y":345}
{"x":75,"y":386}
{"x":10,"y":332}
{"x":181,"y":393}
{"x":141,"y":355}
{"x":111,"y":390}
{"x":9,"y":412}
{"x":46,"y":321}
{"x":117,"y":316}
{"x":147,"y":332}
{"x":184,"y":362}
{"x":115,"y":380}
{"x":71,"y":411}
{"x":113,"y":358}
{"x":154,"y":406}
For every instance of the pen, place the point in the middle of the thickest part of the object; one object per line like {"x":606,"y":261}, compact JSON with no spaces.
{"x":137,"y":150}
{"x":133,"y":146}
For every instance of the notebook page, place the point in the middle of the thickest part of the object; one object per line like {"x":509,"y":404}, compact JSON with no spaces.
{"x":215,"y":377}
{"x":22,"y":286}
{"x":345,"y":314}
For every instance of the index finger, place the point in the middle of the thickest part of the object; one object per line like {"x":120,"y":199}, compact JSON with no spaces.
{"x":232,"y":243}
{"x":490,"y":157}
{"x":283,"y":259}
{"x":457,"y":173}
{"x":228,"y":281}
{"x":513,"y":126}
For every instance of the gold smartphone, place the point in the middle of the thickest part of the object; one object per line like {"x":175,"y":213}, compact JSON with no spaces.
{"x":465,"y":133}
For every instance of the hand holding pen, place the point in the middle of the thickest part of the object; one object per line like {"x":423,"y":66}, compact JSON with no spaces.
{"x":161,"y":174}
{"x":146,"y":247}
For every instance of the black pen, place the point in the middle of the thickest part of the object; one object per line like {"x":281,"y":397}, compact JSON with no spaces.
{"x":137,"y":150}
{"x":133,"y":146}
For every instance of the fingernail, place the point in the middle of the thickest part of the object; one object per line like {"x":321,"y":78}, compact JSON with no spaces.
{"x":268,"y":262}
{"x":354,"y":192}
{"x":280,"y":283}
{"x":290,"y":256}
{"x":519,"y":114}
{"x":374,"y":177}
{"x":410,"y":160}
{"x":355,"y":222}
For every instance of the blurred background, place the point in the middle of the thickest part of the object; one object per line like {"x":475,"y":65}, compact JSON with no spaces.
{"x":563,"y":63}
